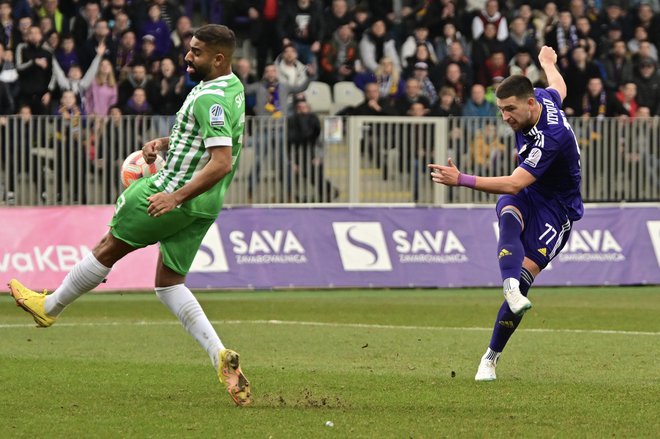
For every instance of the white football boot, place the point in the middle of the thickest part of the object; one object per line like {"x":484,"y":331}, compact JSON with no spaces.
{"x":486,"y":371}
{"x":517,"y":302}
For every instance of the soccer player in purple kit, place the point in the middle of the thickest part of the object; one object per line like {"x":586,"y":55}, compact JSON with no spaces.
{"x":540,"y":200}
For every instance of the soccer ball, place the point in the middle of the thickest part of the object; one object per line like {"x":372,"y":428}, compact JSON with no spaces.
{"x":134,"y":168}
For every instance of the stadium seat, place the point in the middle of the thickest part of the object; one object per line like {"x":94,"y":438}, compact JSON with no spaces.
{"x":319,"y":96}
{"x":346,"y":94}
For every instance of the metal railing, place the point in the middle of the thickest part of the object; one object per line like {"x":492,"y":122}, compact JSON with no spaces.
{"x":49,"y":160}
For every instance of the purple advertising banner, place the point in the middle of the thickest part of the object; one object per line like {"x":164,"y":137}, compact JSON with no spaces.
{"x":412,"y":247}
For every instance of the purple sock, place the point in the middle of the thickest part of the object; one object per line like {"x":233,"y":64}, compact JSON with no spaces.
{"x":510,"y":247}
{"x":507,"y":322}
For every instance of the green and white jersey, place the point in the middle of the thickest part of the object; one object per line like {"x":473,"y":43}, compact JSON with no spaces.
{"x":213,"y":115}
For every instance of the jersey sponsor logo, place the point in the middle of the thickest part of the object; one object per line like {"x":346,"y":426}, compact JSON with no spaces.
{"x":654,"y":231}
{"x":39,"y":259}
{"x":216,"y":115}
{"x":362,"y":246}
{"x":267,"y":247}
{"x":429,"y":247}
{"x":592,"y":246}
{"x":533,"y":157}
{"x":210,"y":257}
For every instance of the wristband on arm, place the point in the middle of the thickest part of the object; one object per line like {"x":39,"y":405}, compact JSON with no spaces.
{"x":467,"y":180}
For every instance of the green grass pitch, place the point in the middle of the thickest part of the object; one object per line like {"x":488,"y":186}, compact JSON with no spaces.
{"x":377,"y":363}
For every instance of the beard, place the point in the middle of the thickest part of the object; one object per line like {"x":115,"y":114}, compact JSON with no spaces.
{"x":198,"y":73}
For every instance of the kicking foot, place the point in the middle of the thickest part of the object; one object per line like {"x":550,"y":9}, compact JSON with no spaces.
{"x":230,"y":374}
{"x":486,"y":371}
{"x":518,"y":303}
{"x":32,"y":302}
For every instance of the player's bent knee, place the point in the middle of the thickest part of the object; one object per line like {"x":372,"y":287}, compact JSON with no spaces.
{"x":110,"y":249}
{"x":512,"y":210}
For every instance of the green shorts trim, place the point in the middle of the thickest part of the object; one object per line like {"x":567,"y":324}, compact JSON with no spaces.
{"x":178,"y":233}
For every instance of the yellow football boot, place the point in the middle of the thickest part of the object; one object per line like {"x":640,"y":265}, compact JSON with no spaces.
{"x":32,"y":302}
{"x":230,"y":374}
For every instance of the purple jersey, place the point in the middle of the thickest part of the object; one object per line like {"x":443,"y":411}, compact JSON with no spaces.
{"x":550,"y":152}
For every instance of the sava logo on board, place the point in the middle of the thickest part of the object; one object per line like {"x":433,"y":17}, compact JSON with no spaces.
{"x":210,"y":257}
{"x":267,"y":247}
{"x":362,"y":246}
{"x":597,"y":245}
{"x":429,"y":247}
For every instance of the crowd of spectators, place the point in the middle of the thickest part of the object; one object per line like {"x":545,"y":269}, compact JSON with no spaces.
{"x":130,"y":53}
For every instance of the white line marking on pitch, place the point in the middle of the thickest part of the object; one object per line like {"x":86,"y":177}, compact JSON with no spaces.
{"x":336,"y":325}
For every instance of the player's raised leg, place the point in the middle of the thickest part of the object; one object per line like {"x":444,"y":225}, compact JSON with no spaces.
{"x":84,"y":277}
{"x":511,"y":253}
{"x":172,"y":292}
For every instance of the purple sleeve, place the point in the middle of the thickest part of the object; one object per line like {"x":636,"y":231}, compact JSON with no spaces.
{"x":539,"y":159}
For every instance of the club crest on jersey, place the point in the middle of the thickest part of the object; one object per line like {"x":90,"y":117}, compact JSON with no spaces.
{"x":216,"y":115}
{"x":533,"y":157}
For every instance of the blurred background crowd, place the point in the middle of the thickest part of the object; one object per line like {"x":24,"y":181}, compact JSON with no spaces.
{"x":429,"y":57}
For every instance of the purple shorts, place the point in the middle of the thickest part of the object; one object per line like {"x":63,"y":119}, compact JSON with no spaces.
{"x":546,"y":229}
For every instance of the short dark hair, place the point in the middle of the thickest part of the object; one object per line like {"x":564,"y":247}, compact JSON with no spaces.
{"x":515,"y":85}
{"x":217,"y":35}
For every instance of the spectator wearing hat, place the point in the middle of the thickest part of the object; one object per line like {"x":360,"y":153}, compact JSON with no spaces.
{"x":148,"y":54}
{"x":477,"y":105}
{"x":647,"y":79}
{"x":617,"y":68}
{"x":338,"y":56}
{"x":421,"y":73}
{"x":419,"y":37}
{"x":376,"y":44}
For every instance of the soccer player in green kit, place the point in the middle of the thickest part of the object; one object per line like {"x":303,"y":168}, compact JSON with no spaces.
{"x":174,"y":207}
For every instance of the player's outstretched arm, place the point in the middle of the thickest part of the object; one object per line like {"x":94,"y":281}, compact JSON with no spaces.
{"x":218,"y":166}
{"x":509,"y":184}
{"x":548,"y":61}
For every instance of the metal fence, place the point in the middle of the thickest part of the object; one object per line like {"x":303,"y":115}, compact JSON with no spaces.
{"x":48,"y":160}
